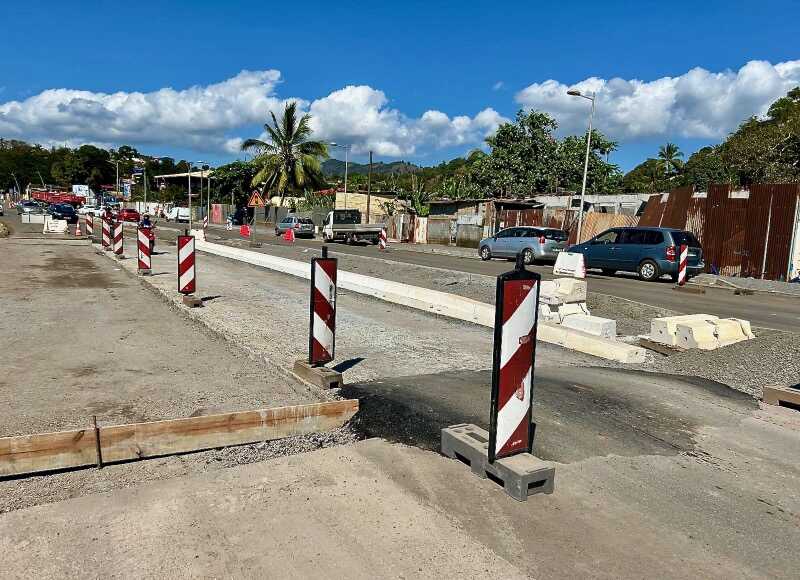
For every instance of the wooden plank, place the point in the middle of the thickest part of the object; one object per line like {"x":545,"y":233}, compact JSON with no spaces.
{"x":659,"y":348}
{"x":48,"y":451}
{"x":782,"y":396}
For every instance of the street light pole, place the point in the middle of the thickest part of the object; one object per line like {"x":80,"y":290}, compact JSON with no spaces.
{"x":189,"y":173}
{"x":575,"y":93}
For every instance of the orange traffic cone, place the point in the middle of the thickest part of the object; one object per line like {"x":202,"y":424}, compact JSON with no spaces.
{"x":289,"y":235}
{"x":78,"y":229}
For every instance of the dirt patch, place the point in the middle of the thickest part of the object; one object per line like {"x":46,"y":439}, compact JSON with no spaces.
{"x":5,"y":230}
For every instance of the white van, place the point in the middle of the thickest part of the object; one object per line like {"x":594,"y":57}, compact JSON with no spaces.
{"x":178,"y":214}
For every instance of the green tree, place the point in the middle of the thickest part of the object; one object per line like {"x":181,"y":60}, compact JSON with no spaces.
{"x":233,"y":181}
{"x":705,"y":167}
{"x":290,"y":160}
{"x":601,"y":177}
{"x":521,"y":162}
{"x":671,"y":159}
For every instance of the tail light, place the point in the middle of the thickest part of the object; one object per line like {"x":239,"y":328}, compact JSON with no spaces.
{"x":671,"y":253}
{"x":541,"y":239}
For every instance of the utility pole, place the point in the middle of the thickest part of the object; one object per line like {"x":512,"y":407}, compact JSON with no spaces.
{"x":369,"y":187}
{"x":189,"y":173}
{"x":208,"y":196}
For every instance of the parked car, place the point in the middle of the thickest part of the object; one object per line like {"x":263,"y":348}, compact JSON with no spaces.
{"x":29,"y":207}
{"x":534,"y":243}
{"x":346,"y":225}
{"x":650,"y":252}
{"x":127,"y":214}
{"x":303,"y":227}
{"x":90,"y":210}
{"x":178,"y":214}
{"x":63,"y":211}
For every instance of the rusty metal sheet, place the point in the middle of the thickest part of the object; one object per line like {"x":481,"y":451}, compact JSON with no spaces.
{"x":674,"y":215}
{"x":653,"y":212}
{"x":596,"y":223}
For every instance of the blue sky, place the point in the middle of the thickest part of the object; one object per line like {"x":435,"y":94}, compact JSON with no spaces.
{"x":473,"y":63}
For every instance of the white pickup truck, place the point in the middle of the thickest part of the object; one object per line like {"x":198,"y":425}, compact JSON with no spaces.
{"x":345,"y":225}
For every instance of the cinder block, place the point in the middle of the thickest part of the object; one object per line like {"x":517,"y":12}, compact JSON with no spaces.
{"x":520,"y":475}
{"x":322,"y":377}
{"x":699,"y":334}
{"x":594,"y":325}
{"x":745,"y":325}
{"x":577,"y":308}
{"x":728,"y":331}
{"x":664,"y":330}
{"x":562,"y":291}
{"x":192,"y":301}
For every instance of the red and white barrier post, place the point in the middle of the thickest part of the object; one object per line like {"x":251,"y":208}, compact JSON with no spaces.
{"x":106,"y":241}
{"x":88,"y":221}
{"x":682,"y":264}
{"x":143,"y":246}
{"x":187,"y":276}
{"x":382,"y":240}
{"x":118,"y":243}
{"x":516,"y":312}
{"x":322,"y":326}
{"x":322,"y":334}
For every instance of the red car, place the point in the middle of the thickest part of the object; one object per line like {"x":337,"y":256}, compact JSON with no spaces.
{"x":128,"y":215}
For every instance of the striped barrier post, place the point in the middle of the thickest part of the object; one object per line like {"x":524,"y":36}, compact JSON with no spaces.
{"x":143,"y":245}
{"x":106,"y":234}
{"x":322,"y":334}
{"x":511,"y":429}
{"x":78,"y":232}
{"x":187,"y":278}
{"x":382,"y":241}
{"x":88,"y":221}
{"x":682,"y":264}
{"x":118,"y":243}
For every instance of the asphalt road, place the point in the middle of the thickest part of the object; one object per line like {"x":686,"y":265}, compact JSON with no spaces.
{"x":763,"y":310}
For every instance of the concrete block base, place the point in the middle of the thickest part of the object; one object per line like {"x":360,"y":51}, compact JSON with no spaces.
{"x":120,"y":256}
{"x":107,"y":248}
{"x":192,"y":301}
{"x":144,"y":272}
{"x":521,"y":475}
{"x":322,"y":377}
{"x":595,"y":325}
{"x":783,"y":396}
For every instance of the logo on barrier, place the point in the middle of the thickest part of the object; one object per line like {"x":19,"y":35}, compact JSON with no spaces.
{"x":517,"y":306}
{"x":322,"y":335}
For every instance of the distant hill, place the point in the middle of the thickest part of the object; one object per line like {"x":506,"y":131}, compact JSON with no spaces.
{"x":336,"y":167}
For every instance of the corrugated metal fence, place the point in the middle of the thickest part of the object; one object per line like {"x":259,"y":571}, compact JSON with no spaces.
{"x":743,"y":232}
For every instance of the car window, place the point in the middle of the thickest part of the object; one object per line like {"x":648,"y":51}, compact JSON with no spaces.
{"x":609,"y":237}
{"x":557,"y":235}
{"x":685,"y":238}
{"x":633,"y":237}
{"x":531,"y":233}
{"x":506,"y":233}
{"x":306,"y":221}
{"x":653,"y":238}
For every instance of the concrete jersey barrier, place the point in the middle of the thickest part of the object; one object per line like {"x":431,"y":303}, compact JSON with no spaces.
{"x":434,"y":301}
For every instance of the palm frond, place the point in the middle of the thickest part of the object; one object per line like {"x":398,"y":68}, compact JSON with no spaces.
{"x":256,"y":145}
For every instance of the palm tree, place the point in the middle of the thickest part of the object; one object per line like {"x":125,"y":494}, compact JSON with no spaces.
{"x":670,"y":154}
{"x":289,"y":161}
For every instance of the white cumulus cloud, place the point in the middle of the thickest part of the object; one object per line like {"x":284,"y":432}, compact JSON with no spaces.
{"x":696,"y":104}
{"x":217,"y":117}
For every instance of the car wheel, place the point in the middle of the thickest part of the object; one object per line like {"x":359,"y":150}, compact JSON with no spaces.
{"x":485,"y":253}
{"x":648,"y":271}
{"x":528,"y":256}
{"x":607,"y":272}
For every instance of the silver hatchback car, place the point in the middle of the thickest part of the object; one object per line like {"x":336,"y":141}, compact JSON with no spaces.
{"x":303,"y":227}
{"x":534,"y":243}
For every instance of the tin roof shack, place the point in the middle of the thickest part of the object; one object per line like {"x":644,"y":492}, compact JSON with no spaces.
{"x":381,"y":204}
{"x":464,"y":222}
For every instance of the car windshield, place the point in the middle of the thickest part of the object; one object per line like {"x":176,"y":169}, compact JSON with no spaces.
{"x":685,"y":239}
{"x":306,"y":221}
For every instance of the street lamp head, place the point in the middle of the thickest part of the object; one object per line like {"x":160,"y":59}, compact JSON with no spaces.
{"x":574,"y":93}
{"x":333,"y":144}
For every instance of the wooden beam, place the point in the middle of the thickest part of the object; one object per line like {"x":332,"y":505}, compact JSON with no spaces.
{"x":66,"y":449}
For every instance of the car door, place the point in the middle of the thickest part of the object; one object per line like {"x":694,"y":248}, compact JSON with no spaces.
{"x":517,"y":241}
{"x":631,"y":245}
{"x":500,"y":245}
{"x":600,"y":253}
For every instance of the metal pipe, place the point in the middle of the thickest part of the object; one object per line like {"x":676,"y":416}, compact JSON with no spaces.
{"x":585,"y":172}
{"x":766,"y":238}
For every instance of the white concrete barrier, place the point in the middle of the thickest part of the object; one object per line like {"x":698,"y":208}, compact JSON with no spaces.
{"x":594,"y":325}
{"x":434,"y":301}
{"x":665,"y":330}
{"x":570,"y":264}
{"x":563,"y":291}
{"x":52,"y":226}
{"x":32,"y":218}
